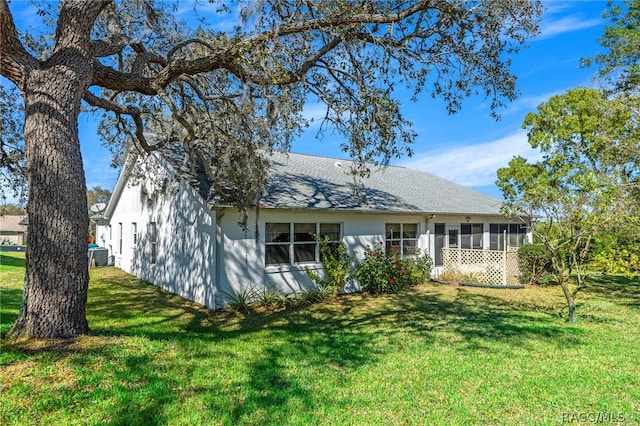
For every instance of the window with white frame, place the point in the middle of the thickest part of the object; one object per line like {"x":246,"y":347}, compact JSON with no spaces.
{"x":120,"y":237}
{"x":401,"y":238}
{"x":295,"y":243}
{"x":515,"y":233}
{"x":134,"y":233}
{"x":471,"y":236}
{"x":153,"y":242}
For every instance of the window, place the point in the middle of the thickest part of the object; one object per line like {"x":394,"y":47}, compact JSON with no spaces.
{"x":153,"y":242}
{"x":304,"y":243}
{"x":471,"y":236}
{"x":277,"y":241}
{"x":516,"y":235}
{"x":453,"y":238}
{"x":287,"y":241}
{"x":134,"y":233}
{"x":120,"y":237}
{"x":401,"y":238}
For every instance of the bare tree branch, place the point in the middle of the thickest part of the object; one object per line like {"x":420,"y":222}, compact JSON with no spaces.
{"x":133,"y":112}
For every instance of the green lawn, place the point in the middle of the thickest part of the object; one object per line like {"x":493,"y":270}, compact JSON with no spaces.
{"x":437,"y":354}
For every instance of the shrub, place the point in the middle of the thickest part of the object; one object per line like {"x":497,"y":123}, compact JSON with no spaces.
{"x":242,"y":298}
{"x":422,"y":264}
{"x":310,"y":295}
{"x":535,"y":261}
{"x":380,"y":272}
{"x":273,"y":298}
{"x":337,"y":264}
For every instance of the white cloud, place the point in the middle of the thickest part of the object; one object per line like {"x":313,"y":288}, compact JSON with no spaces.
{"x":530,"y":103}
{"x":314,"y":112}
{"x":551,"y":27}
{"x":474,"y":165}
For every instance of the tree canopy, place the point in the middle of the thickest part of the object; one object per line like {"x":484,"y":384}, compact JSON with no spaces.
{"x":225,"y":93}
{"x":620,"y":64}
{"x":230,"y":89}
{"x":97,"y":194}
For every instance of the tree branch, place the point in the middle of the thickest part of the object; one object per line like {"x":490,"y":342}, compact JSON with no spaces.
{"x":15,"y":61}
{"x":176,"y":114}
{"x":228,"y":58}
{"x":339,"y":21}
{"x":103,"y":48}
{"x":133,"y":112}
{"x":108,"y":78}
{"x":75,"y":22}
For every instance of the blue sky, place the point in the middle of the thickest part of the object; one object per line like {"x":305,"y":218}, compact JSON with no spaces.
{"x":467,"y":147}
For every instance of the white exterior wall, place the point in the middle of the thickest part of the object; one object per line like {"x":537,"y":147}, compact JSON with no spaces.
{"x":186,"y":232}
{"x":244,"y":260}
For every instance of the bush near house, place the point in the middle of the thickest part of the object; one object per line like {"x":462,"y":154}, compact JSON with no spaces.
{"x":535,"y":264}
{"x":338,"y":266}
{"x":382,"y":272}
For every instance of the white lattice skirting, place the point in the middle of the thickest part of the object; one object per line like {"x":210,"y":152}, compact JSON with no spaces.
{"x":483,"y":266}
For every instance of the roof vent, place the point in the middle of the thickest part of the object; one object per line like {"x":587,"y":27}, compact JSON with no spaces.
{"x":338,"y":164}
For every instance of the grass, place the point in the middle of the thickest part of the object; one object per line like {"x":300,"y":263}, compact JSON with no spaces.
{"x":436,"y":354}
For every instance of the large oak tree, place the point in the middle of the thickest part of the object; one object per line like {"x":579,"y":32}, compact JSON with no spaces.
{"x":229,"y":89}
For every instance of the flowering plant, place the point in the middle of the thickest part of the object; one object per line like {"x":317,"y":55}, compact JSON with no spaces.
{"x":382,"y":272}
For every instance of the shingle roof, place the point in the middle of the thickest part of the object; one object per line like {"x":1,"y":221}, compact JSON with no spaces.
{"x":10,"y":223}
{"x":300,"y":181}
{"x":313,"y":182}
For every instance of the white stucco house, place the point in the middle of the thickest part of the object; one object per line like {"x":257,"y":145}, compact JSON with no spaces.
{"x":173,"y":235}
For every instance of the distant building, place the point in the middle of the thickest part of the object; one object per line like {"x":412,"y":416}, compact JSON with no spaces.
{"x":13,"y":230}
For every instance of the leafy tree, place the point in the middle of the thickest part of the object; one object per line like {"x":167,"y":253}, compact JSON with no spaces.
{"x":97,"y":194}
{"x":583,"y":187}
{"x":620,"y":64}
{"x":228,"y":95}
{"x":12,"y":157}
{"x":619,"y":250}
{"x":11,"y":209}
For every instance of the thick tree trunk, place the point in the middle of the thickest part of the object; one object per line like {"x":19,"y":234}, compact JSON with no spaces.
{"x":57,"y":266}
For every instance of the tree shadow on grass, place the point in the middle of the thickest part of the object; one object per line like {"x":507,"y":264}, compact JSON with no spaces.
{"x":112,"y":386}
{"x":10,"y":300}
{"x":624,"y":290}
{"x":272,"y":351}
{"x":473,"y":318}
{"x":614,"y":285}
{"x":12,"y":261}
